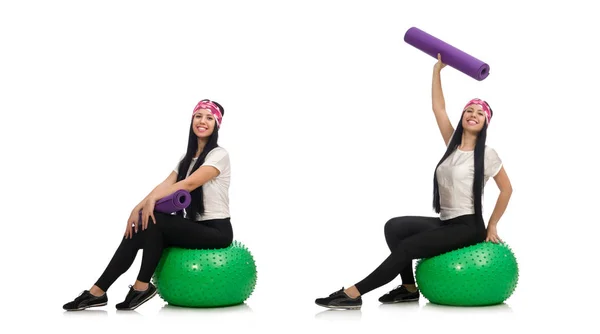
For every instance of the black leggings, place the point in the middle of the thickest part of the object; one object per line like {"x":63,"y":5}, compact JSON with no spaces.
{"x":169,"y":231}
{"x":413,"y":237}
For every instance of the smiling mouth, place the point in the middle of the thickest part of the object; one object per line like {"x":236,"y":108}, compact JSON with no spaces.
{"x":472,"y":122}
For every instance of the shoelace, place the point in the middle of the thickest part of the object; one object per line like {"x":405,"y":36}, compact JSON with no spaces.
{"x":396,"y":289}
{"x":130,"y":294}
{"x":337,"y":292}
{"x":80,"y":297}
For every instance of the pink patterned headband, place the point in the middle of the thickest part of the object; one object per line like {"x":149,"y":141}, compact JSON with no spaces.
{"x":484,"y":106}
{"x":214,"y":109}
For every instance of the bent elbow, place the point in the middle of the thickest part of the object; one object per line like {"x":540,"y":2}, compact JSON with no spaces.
{"x":189,"y":186}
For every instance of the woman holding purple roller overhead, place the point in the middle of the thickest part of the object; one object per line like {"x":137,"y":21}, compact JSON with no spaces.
{"x":204,"y":172}
{"x":459,"y":179}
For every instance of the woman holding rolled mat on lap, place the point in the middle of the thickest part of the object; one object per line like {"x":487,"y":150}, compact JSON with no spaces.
{"x":204,"y":171}
{"x":459,"y":179}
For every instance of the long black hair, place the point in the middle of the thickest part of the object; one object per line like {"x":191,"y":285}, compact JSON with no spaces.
{"x":479,"y":156}
{"x":197,"y":204}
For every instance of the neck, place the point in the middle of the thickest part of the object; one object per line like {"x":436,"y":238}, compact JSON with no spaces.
{"x":201,"y":144}
{"x":468,"y":141}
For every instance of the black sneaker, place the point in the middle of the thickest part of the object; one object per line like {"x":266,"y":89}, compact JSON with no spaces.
{"x":136,"y":298}
{"x":399,"y":295}
{"x":86,"y":300}
{"x":340,"y":300}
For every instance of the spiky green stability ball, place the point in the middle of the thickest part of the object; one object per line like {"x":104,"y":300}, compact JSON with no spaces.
{"x":477,"y":275}
{"x":206,"y":277}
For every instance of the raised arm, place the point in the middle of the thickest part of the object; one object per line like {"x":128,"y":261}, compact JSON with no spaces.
{"x":438,"y":103}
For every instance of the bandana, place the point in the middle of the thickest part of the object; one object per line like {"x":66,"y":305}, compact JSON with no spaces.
{"x":207,"y":104}
{"x":483,"y":105}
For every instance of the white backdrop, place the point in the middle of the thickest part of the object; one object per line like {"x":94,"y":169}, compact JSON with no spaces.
{"x":330,"y":131}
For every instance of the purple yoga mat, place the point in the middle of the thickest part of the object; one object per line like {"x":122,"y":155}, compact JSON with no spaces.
{"x":177,"y":201}
{"x":451,"y":56}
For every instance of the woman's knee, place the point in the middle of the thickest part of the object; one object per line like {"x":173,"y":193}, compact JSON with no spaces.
{"x":394,"y":223}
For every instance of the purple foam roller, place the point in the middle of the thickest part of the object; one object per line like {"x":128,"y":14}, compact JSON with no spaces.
{"x":451,"y":56}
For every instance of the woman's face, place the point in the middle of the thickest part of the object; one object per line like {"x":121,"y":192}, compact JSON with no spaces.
{"x":473,"y":118}
{"x":203,"y":123}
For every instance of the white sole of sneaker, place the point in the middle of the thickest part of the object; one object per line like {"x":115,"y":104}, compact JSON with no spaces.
{"x":142,"y":302}
{"x":341,"y":307}
{"x":402,"y":301}
{"x":83,"y":308}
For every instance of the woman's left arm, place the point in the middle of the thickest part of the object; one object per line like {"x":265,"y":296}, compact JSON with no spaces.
{"x":503,"y":183}
{"x":202,"y":175}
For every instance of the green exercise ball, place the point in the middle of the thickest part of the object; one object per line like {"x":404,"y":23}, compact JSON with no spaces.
{"x":482,"y":274}
{"x":206,"y":277}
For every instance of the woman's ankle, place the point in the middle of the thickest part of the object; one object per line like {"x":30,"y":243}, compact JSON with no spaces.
{"x":352,"y":292}
{"x":96,"y":291}
{"x":140,"y":286}
{"x":410,"y":287}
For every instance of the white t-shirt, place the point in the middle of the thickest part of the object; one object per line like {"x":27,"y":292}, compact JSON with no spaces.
{"x":216,"y":190}
{"x":455,"y":181}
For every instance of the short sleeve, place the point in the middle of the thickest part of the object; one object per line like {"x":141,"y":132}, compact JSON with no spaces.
{"x":218,"y":158}
{"x":493,"y":163}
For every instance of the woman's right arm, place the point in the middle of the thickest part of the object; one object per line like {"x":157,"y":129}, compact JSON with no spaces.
{"x":438,"y":103}
{"x":133,"y":221}
{"x":169,"y":181}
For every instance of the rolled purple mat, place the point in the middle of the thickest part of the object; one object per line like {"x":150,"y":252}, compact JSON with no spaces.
{"x":177,"y":201}
{"x":451,"y":56}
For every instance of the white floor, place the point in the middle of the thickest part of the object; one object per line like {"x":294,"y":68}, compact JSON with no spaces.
{"x":528,"y":308}
{"x":299,"y":315}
